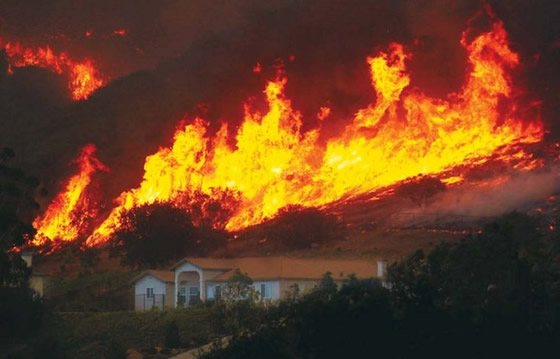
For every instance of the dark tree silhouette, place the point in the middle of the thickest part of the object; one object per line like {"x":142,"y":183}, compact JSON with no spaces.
{"x":492,"y":295}
{"x":20,"y":312}
{"x":17,"y":206}
{"x":157,"y":234}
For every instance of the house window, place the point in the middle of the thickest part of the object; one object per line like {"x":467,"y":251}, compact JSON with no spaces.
{"x":194,"y":295}
{"x":266,"y":291}
{"x":149,"y":292}
{"x":193,"y":292}
{"x":182,"y":296}
{"x":217,"y":292}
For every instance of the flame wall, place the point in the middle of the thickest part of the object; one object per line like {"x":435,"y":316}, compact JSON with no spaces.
{"x":214,"y":66}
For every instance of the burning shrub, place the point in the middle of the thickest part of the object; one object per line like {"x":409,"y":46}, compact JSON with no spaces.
{"x":296,"y":227}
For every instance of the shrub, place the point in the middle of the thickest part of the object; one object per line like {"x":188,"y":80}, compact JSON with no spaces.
{"x":172,"y":335}
{"x":115,"y":350}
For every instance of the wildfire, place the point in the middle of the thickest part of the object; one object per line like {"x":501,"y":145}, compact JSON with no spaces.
{"x":83,"y":77}
{"x":67,"y":216}
{"x":404,"y":134}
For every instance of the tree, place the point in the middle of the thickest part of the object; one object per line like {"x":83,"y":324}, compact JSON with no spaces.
{"x":498,"y":288}
{"x":171,"y":335}
{"x":20,"y":311}
{"x":236,"y":308}
{"x":239,"y":287}
{"x":154,"y":235}
{"x":16,"y":207}
{"x":326,"y":286}
{"x":495,"y":294}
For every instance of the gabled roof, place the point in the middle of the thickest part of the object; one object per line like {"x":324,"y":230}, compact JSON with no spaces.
{"x":284,"y":267}
{"x":162,"y":275}
{"x":206,"y":263}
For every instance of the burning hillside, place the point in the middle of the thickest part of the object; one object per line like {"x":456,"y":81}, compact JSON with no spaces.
{"x":83,"y":77}
{"x":66,"y":215}
{"x":269,"y":162}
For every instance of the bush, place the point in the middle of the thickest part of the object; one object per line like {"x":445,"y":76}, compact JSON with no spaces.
{"x":133,"y":329}
{"x":21,"y":314}
{"x":172,"y":335}
{"x":115,"y":350}
{"x":47,"y":346}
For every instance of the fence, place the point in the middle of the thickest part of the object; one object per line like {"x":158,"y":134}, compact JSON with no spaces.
{"x":143,"y":302}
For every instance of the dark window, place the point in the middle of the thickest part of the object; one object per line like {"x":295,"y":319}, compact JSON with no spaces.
{"x":217,"y":292}
{"x":149,"y":292}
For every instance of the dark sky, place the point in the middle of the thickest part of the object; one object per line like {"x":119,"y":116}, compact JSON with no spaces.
{"x":178,"y":54}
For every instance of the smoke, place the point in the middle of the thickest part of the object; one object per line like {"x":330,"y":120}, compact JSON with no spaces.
{"x":517,"y":193}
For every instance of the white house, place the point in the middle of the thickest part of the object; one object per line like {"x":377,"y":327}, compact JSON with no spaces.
{"x":154,"y":288}
{"x":194,"y":279}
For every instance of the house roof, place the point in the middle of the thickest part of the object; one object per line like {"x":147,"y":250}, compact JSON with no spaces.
{"x":284,"y":267}
{"x":163,"y":275}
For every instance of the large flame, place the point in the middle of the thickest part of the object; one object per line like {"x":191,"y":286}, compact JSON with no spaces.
{"x":404,"y":134}
{"x":67,"y":216}
{"x":83,"y":77}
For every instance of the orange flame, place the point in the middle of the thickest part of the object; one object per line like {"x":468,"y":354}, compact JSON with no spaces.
{"x":402,"y":135}
{"x":84,"y":78}
{"x":66,"y":217}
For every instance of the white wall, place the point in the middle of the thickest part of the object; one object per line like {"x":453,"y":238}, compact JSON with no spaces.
{"x":275,"y":288}
{"x":211,"y":289}
{"x":141,"y":302}
{"x":149,"y":282}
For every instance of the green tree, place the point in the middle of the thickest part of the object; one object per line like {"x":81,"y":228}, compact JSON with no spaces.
{"x":326,"y":287}
{"x":239,"y":287}
{"x":238,"y":310}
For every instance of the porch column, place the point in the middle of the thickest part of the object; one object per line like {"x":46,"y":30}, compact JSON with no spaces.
{"x":202,"y":289}
{"x":176,"y":287}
